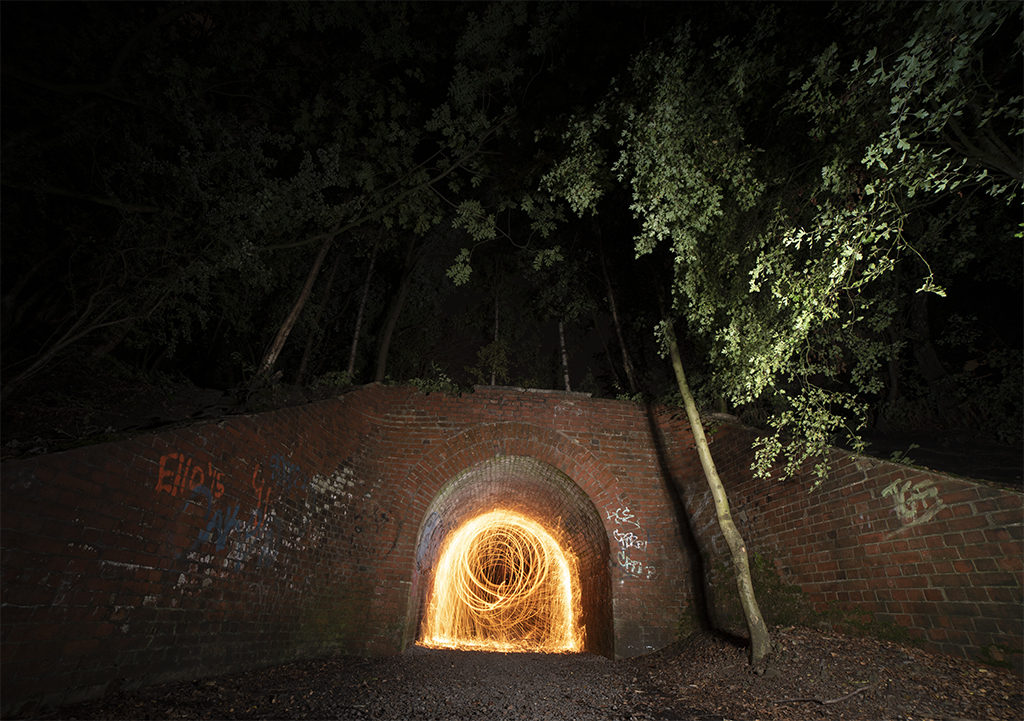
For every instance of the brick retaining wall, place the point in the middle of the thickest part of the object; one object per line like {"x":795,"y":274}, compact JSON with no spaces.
{"x":312,"y":530}
{"x":886,"y":548}
{"x":294,"y":533}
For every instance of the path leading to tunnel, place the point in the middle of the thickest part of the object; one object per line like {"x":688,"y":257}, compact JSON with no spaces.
{"x":814,"y":674}
{"x":422,"y":683}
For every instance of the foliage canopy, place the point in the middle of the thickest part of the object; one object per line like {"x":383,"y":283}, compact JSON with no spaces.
{"x":828,"y":199}
{"x":791,"y":219}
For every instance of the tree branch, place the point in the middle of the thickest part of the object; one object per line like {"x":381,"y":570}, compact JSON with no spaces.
{"x":339,"y":228}
{"x":828,"y":701}
{"x":97,"y":199}
{"x":966,"y":147}
{"x":106,"y":87}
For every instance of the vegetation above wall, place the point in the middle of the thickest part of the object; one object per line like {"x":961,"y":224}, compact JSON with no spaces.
{"x":209,"y":211}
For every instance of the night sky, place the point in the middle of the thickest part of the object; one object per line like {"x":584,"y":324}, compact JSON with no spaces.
{"x":171,"y":171}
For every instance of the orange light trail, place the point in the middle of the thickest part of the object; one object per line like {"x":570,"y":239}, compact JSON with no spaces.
{"x":503,"y":583}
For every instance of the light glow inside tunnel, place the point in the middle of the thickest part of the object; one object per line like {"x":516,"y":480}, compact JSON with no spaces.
{"x":504,"y":583}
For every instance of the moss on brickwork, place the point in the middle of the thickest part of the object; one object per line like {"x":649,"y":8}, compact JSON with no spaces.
{"x":782,"y":604}
{"x":786,"y":604}
{"x":689,"y":622}
{"x":340,"y":625}
{"x":1001,"y":655}
{"x":856,"y":622}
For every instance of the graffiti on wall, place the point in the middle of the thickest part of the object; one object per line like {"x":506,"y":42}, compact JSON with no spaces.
{"x":632,"y":542}
{"x":178,"y":474}
{"x":270,"y":509}
{"x":915,"y":502}
{"x":202,"y":486}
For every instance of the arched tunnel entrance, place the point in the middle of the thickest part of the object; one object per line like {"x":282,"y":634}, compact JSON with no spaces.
{"x":512,"y":555}
{"x":504,"y":583}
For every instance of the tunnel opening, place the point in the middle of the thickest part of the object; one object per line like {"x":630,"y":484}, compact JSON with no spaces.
{"x":504,"y":583}
{"x":505,"y":561}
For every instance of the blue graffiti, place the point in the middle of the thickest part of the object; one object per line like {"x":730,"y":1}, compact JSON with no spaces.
{"x":219,"y":527}
{"x":284,"y":474}
{"x":257,"y":535}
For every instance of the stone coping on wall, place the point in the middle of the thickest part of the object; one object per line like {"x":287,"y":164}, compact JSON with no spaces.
{"x":518,"y":389}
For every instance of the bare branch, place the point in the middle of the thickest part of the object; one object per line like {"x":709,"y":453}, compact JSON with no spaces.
{"x":97,"y":199}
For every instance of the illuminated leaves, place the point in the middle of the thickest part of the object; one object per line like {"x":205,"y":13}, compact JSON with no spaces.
{"x":783,"y":254}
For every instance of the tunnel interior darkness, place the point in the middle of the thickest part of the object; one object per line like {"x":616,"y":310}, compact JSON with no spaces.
{"x":537,"y":491}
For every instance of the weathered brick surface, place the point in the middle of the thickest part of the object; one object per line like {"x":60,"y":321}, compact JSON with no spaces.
{"x":299,"y":532}
{"x":938,"y":558}
{"x":309,"y":530}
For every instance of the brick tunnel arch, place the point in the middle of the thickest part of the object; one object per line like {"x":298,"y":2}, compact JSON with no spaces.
{"x":537,"y":490}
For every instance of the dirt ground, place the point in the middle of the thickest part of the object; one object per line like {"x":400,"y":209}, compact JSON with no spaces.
{"x":824,"y":675}
{"x":814,"y":675}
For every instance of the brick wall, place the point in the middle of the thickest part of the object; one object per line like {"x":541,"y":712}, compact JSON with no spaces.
{"x":187,"y":552}
{"x":314,"y":530}
{"x":881,"y":547}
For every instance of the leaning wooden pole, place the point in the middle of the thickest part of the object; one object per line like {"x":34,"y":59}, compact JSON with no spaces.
{"x":270,"y":358}
{"x":760,"y":640}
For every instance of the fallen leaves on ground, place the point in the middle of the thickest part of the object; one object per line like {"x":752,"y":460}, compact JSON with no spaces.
{"x":813,"y":674}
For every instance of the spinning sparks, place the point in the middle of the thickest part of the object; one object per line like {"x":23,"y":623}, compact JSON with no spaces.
{"x":503,"y":583}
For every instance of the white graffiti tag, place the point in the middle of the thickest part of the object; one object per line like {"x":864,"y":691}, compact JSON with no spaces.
{"x":629,"y":539}
{"x":633,"y":568}
{"x":915,"y":503}
{"x":622,"y":515}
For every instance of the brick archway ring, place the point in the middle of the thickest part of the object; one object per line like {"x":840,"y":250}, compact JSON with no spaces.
{"x":540,"y":491}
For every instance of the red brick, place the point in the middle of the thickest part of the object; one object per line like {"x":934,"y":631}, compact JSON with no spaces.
{"x":1007,"y":517}
{"x":1000,"y":535}
{"x":405,"y":447}
{"x":964,"y":494}
{"x":1005,"y":596}
{"x":967,"y":522}
{"x":1006,"y":563}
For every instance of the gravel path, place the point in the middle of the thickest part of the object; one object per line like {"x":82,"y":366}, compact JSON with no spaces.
{"x":814,"y":674}
{"x":420,"y":684}
{"x":440,"y":684}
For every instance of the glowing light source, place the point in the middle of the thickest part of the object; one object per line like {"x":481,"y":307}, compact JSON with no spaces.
{"x":503,"y":583}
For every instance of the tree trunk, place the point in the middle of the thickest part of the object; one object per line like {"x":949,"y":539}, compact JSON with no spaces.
{"x":627,"y":363}
{"x":267,"y":364}
{"x":920,"y":332}
{"x":359,"y":315}
{"x":394,"y":312}
{"x":307,"y":351}
{"x":315,"y":331}
{"x":102,"y":351}
{"x":95,"y":316}
{"x":493,"y":374}
{"x":760,"y":641}
{"x":565,"y":355}
{"x":608,"y":355}
{"x":893,"y":392}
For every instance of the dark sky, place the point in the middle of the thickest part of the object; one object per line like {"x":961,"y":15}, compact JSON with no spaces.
{"x":107,"y":107}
